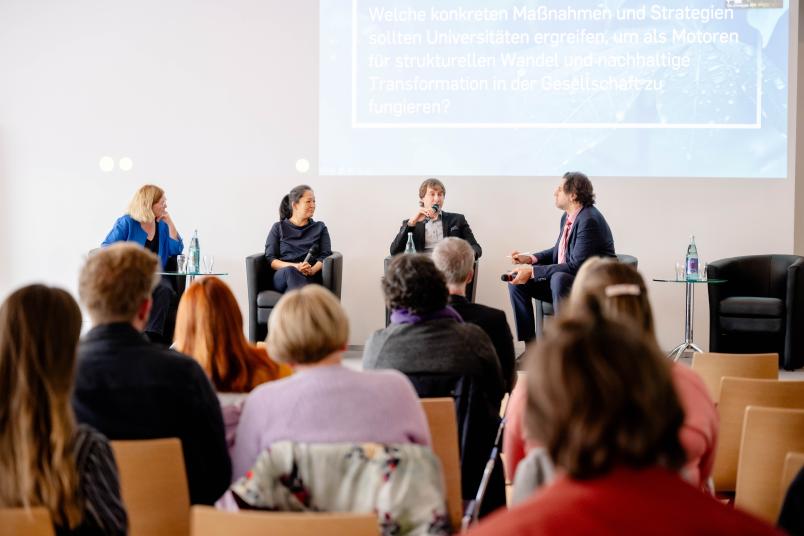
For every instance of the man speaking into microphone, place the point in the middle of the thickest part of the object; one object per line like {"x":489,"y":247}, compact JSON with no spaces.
{"x":430,"y":224}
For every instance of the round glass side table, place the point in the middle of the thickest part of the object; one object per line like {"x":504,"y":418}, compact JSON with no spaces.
{"x":689,"y":303}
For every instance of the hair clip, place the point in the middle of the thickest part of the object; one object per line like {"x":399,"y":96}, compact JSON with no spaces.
{"x":622,"y":290}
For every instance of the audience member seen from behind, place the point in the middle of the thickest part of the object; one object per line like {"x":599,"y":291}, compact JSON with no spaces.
{"x":602,"y":401}
{"x":209,"y":328}
{"x":454,"y":257}
{"x":619,"y":291}
{"x":430,"y":343}
{"x":148,"y":223}
{"x":294,"y":236}
{"x":46,"y":459}
{"x":430,"y":224}
{"x":324,"y":401}
{"x":130,"y":388}
{"x":425,"y":334}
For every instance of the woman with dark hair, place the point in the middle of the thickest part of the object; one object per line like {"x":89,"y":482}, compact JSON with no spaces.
{"x":602,"y":402}
{"x":297,"y":245}
{"x":430,"y":343}
{"x":426,"y":335}
{"x":45,"y":459}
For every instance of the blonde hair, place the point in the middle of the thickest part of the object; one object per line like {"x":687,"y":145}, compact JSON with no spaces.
{"x":141,"y":205}
{"x":115,"y":281}
{"x":307,"y":325}
{"x":616,"y":289}
{"x":39,"y":330}
{"x":455,"y":258}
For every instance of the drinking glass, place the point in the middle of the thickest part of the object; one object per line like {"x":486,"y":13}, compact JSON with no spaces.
{"x":209,"y":262}
{"x":702,"y":270}
{"x":181,"y":264}
{"x":681,"y":271}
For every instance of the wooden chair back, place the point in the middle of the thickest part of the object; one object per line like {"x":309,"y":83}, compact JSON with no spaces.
{"x":29,"y":521}
{"x":443,"y":424}
{"x":768,"y":435}
{"x":793,"y":463}
{"x":153,"y":485}
{"x":207,"y":521}
{"x":736,"y":394}
{"x":711,"y":367}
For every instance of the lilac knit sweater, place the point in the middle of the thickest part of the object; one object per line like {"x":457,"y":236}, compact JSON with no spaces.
{"x":329,"y":404}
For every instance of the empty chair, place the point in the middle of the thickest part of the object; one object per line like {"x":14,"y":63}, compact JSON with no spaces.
{"x":768,"y":435}
{"x":760,"y":307}
{"x":735,"y":395}
{"x":440,"y":414}
{"x":27,"y":521}
{"x":154,"y":486}
{"x":207,"y":521}
{"x":711,"y":367}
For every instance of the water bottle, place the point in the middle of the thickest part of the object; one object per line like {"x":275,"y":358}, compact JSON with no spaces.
{"x":194,"y":258}
{"x":410,"y":248}
{"x":692,"y":261}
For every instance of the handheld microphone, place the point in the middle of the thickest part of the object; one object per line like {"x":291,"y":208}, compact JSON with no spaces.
{"x":507,"y":277}
{"x":311,"y":254}
{"x":435,"y":209}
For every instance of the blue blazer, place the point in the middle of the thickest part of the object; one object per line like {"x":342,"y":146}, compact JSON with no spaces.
{"x":127,"y":229}
{"x":590,"y":236}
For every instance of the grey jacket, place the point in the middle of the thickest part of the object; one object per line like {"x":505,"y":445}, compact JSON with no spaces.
{"x":441,"y":346}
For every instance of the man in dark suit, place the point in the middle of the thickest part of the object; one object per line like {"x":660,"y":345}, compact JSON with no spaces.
{"x":129,"y":388}
{"x":454,"y":257}
{"x":430,"y":224}
{"x":548,"y":275}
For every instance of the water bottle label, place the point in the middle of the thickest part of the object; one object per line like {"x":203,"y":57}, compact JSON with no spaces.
{"x":692,"y":266}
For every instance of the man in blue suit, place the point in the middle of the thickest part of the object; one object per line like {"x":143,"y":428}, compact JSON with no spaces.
{"x":548,"y":275}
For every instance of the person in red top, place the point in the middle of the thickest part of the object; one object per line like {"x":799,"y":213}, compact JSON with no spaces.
{"x":601,"y":400}
{"x":621,"y":293}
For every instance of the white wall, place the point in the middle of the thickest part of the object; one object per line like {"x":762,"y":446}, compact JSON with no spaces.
{"x":215,"y":102}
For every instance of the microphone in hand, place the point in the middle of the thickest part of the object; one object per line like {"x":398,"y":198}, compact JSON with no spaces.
{"x":508,"y":277}
{"x":311,"y":254}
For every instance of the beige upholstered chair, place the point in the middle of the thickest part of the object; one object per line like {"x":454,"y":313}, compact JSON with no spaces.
{"x":440,"y":414}
{"x":736,"y":394}
{"x":207,"y":521}
{"x":711,"y":367}
{"x":768,"y":435}
{"x":30,"y":522}
{"x":153,"y":485}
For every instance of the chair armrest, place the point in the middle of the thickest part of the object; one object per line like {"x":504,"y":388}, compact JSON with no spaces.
{"x":794,"y":340}
{"x":259,"y":277}
{"x":332,"y":272}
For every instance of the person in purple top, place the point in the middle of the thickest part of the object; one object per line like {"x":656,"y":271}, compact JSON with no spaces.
{"x":323,"y":402}
{"x":293,"y":237}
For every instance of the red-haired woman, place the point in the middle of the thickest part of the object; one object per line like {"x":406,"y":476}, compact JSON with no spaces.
{"x":209,"y":327}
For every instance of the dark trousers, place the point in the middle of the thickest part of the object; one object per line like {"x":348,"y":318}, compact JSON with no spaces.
{"x":552,"y":291}
{"x":288,"y":278}
{"x":164,"y":297}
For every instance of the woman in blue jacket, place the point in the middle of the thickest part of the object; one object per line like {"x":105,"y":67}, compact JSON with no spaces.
{"x":149,"y":224}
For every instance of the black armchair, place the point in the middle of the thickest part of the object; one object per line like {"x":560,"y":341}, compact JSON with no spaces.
{"x":544,"y":309}
{"x":760,"y":307}
{"x":261,"y":294}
